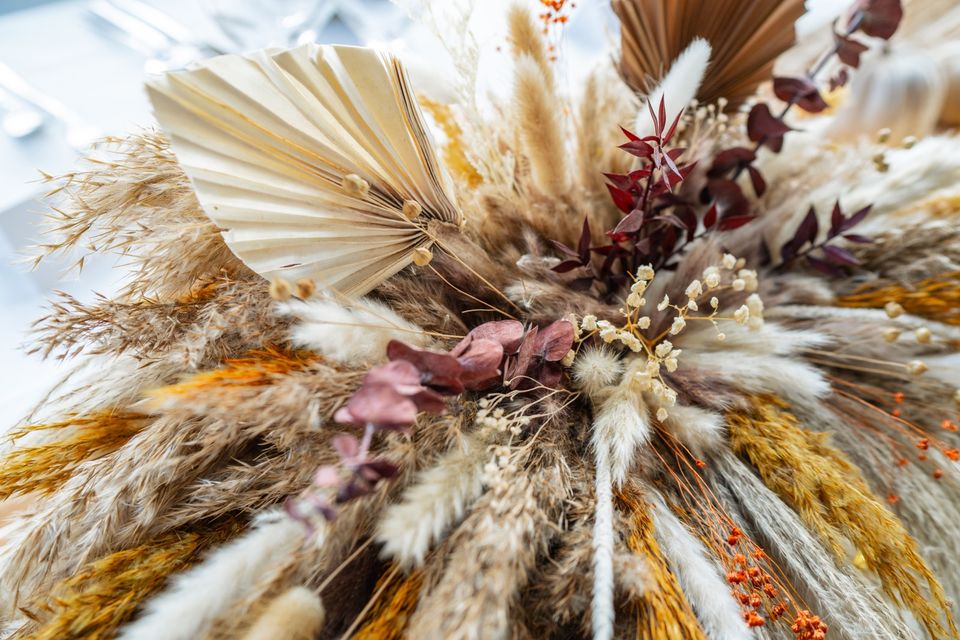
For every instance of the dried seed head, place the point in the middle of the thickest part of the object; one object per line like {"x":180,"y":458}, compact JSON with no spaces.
{"x":422,"y":256}
{"x":916,"y":367}
{"x":890,"y":334}
{"x":280,"y":289}
{"x":412,"y":210}
{"x":923,"y":335}
{"x":355,"y":185}
{"x":306,"y":288}
{"x":893,"y":309}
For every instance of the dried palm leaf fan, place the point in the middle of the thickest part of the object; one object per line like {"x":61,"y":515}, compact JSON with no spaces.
{"x":314,"y":161}
{"x":746,"y":39}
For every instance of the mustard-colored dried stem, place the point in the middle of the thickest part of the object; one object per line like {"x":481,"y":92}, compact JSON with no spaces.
{"x":936,"y":298}
{"x":833,"y":499}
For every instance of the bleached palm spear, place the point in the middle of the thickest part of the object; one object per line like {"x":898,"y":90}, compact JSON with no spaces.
{"x":314,"y":161}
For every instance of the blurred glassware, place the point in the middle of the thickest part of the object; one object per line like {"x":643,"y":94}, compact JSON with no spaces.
{"x":18,"y":118}
{"x":166,"y":43}
{"x":253,"y":24}
{"x":79,"y":134}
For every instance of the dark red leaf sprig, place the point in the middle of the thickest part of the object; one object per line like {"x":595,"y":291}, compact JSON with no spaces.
{"x":657,"y":224}
{"x":418,"y":380}
{"x":832,"y":259}
{"x":875,"y":18}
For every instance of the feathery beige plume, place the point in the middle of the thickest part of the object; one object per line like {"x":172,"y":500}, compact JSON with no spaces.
{"x":540,"y":126}
{"x":296,"y":614}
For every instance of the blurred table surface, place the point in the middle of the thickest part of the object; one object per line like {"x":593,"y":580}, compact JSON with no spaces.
{"x":56,"y":48}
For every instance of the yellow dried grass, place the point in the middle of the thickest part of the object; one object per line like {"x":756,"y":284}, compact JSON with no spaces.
{"x":389,"y":620}
{"x":45,"y":467}
{"x":93,"y":603}
{"x":454,"y":153}
{"x":936,"y":298}
{"x":664,"y":613}
{"x":832,"y":498}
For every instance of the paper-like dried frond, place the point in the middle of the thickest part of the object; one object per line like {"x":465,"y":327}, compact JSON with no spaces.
{"x":833,"y":499}
{"x":745,"y":41}
{"x":45,"y":467}
{"x":338,"y":149}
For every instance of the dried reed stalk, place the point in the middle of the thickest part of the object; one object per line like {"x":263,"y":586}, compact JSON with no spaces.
{"x":45,"y":467}
{"x":832,"y":498}
{"x":138,"y":203}
{"x":540,"y":126}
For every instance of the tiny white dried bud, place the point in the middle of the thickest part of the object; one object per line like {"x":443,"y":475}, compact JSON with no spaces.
{"x":635,"y":300}
{"x":662,"y":414}
{"x":693,"y":306}
{"x":638,"y":287}
{"x":729,"y":261}
{"x":742,"y":315}
{"x":643,"y":322}
{"x":678,"y":325}
{"x":755,"y":304}
{"x":589,"y":322}
{"x":671,"y":364}
{"x":355,"y":186}
{"x":893,"y":309}
{"x":645,"y":272}
{"x":714,"y":302}
{"x":422,"y":256}
{"x":664,"y":303}
{"x":890,"y":334}
{"x":711,"y":277}
{"x":653,"y":369}
{"x":608,"y":335}
{"x":721,"y":336}
{"x":569,"y":358}
{"x":923,"y":335}
{"x":916,"y":367}
{"x":663,"y":349}
{"x":739,"y":284}
{"x":694,"y":289}
{"x":741,"y":263}
{"x":749,"y":276}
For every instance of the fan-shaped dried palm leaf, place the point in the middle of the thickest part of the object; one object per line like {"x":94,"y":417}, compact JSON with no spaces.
{"x":746,"y":39}
{"x":315,"y":161}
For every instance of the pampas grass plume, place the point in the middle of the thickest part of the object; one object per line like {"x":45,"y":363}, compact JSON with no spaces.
{"x":359,"y":332}
{"x":296,"y":614}
{"x":438,"y":499}
{"x":679,"y":87}
{"x":700,"y":578}
{"x":540,"y":127}
{"x":194,"y":600}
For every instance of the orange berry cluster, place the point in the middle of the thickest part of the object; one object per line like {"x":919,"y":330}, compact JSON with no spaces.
{"x":808,"y":627}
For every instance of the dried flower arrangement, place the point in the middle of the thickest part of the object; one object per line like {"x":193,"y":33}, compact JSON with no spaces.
{"x":658,"y":360}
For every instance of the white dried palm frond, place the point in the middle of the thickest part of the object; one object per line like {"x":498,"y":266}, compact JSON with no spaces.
{"x":315,"y":161}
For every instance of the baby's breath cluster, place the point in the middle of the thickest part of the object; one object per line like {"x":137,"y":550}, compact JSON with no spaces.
{"x":728,"y":275}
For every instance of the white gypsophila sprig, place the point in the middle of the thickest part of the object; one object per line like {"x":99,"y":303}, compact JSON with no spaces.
{"x":730,"y":275}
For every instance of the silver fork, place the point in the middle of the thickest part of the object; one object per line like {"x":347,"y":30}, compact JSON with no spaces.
{"x":79,"y":133}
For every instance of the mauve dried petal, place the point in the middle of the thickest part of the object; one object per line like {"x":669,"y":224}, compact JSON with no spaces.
{"x":556,"y":341}
{"x":400,"y":374}
{"x":378,"y":469}
{"x":429,"y":400}
{"x":378,"y":404}
{"x":346,"y":445}
{"x":550,"y":374}
{"x":880,"y":17}
{"x":481,"y":363}
{"x":525,"y":356}
{"x":437,"y":369}
{"x":508,"y":333}
{"x":327,"y":476}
